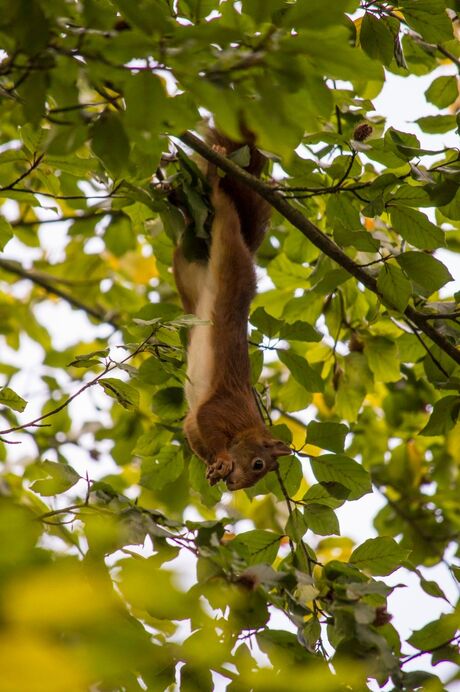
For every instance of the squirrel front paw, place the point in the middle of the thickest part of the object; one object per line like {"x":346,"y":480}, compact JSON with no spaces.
{"x":220,"y":468}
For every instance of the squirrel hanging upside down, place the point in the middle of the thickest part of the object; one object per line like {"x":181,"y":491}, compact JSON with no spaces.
{"x":224,"y":426}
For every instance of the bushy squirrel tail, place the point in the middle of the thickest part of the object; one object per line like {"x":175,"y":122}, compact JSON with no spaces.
{"x":253,"y":211}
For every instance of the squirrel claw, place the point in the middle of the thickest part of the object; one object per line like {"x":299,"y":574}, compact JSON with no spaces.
{"x":220,"y":469}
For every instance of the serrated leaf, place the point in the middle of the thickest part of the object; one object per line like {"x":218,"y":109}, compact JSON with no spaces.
{"x":443,"y":417}
{"x":327,"y":435}
{"x":414,"y":227}
{"x":257,"y":546}
{"x":338,"y":468}
{"x":379,"y":556}
{"x":57,"y":478}
{"x":301,"y":371}
{"x":321,"y":520}
{"x":6,"y":232}
{"x":425,"y":271}
{"x":12,"y":400}
{"x":124,"y":393}
{"x":394,"y":287}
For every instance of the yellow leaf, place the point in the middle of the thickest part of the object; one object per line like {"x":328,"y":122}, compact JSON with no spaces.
{"x":297,"y":431}
{"x":312,"y":450}
{"x":55,"y":596}
{"x":131,"y":473}
{"x":320,"y":403}
{"x":416,"y":462}
{"x":334,"y":548}
{"x":139,"y":269}
{"x":32,"y":663}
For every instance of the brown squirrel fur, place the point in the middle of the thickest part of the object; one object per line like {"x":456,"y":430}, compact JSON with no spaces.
{"x":224,"y":426}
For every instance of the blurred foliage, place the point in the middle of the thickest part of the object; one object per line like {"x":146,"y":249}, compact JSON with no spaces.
{"x":132,"y":573}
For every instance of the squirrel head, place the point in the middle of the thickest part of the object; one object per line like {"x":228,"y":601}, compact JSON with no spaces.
{"x":254,"y":454}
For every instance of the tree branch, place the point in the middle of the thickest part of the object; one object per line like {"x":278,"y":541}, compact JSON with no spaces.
{"x":314,"y":234}
{"x":70,"y":217}
{"x":49,"y":287}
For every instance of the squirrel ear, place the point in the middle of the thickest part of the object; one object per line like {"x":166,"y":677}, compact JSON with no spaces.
{"x":279,"y":449}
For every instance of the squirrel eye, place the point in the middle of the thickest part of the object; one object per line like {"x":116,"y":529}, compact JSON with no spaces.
{"x":258,"y":464}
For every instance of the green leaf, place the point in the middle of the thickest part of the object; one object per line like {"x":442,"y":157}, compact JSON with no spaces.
{"x":376,"y":39}
{"x":338,"y":468}
{"x":311,"y":633}
{"x":299,"y":331}
{"x":416,"y":229}
{"x":443,"y":417}
{"x":9,"y":398}
{"x":425,"y":271}
{"x":110,"y":143}
{"x":394,"y":287}
{"x":442,"y":91}
{"x":301,"y":371}
{"x":321,"y":520}
{"x":122,"y":392}
{"x":361,"y":240}
{"x":379,"y":556}
{"x":89,"y":359}
{"x":342,"y":213}
{"x":210,"y":495}
{"x":428,"y":18}
{"x":327,"y":435}
{"x":436,"y":633}
{"x":147,"y":107}
{"x":57,"y":478}
{"x":353,"y":385}
{"x":169,"y":403}
{"x":331,"y":495}
{"x":162,"y":468}
{"x":257,"y":546}
{"x":265,"y":323}
{"x":432,"y":588}
{"x":383,"y":358}
{"x":150,"y":16}
{"x":6,"y":232}
{"x":437,"y":124}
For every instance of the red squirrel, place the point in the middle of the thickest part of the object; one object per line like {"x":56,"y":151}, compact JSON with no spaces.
{"x":224,"y":426}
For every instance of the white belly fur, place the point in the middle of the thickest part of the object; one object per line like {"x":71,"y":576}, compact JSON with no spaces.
{"x":200,"y":356}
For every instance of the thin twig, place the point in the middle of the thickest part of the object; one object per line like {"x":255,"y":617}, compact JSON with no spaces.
{"x":35,"y":162}
{"x":108,"y":368}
